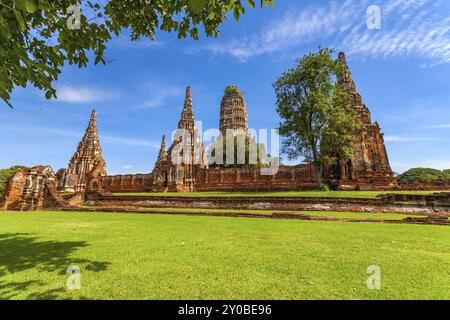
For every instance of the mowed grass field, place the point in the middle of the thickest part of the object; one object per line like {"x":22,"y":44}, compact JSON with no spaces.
{"x":310,"y":193}
{"x":132,"y":256}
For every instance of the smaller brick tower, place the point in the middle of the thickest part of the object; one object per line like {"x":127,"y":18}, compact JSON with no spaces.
{"x":187,"y":153}
{"x":162,"y":168}
{"x":86,"y":161}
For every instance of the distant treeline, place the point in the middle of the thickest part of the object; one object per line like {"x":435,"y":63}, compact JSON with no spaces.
{"x":423,"y":175}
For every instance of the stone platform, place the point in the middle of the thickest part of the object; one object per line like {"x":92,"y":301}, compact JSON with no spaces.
{"x":437,"y":220}
{"x":434,"y":204}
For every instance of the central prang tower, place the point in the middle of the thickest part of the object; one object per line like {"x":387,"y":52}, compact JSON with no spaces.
{"x":233,"y":112}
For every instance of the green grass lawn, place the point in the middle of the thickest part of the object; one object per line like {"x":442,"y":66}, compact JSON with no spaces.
{"x":312,"y":193}
{"x":337,"y":214}
{"x":132,"y":256}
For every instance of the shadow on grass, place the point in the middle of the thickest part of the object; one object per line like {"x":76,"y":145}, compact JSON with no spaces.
{"x":22,"y":251}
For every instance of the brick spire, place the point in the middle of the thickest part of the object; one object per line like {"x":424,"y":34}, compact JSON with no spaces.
{"x":87,"y":157}
{"x":346,"y":83}
{"x":162,"y":156}
{"x":89,"y":146}
{"x":187,"y":120}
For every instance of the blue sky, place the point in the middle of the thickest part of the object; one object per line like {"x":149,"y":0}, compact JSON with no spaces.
{"x":402,"y":71}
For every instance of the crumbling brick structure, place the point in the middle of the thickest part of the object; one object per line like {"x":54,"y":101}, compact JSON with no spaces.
{"x":175,"y":169}
{"x":183,"y":166}
{"x":369,"y":166}
{"x":233,"y":112}
{"x":86,"y":163}
{"x":32,"y":189}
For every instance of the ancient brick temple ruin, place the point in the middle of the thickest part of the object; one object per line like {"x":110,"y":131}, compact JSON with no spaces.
{"x":87,"y":162}
{"x":183,"y":166}
{"x":369,"y":166}
{"x":32,"y":189}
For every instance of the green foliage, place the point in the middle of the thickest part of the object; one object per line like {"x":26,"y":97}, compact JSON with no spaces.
{"x":317,"y":122}
{"x":424,"y":175}
{"x":324,"y":187}
{"x":232,"y":89}
{"x":35,"y":40}
{"x":250,"y":146}
{"x":5,"y":174}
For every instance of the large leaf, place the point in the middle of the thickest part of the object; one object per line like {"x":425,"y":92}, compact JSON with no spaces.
{"x":20,"y":19}
{"x":29,"y":6}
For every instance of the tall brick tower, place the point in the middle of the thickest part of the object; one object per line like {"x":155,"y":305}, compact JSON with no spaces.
{"x":233,"y":112}
{"x":369,"y":166}
{"x":187,"y":120}
{"x":187,"y":153}
{"x":86,"y":161}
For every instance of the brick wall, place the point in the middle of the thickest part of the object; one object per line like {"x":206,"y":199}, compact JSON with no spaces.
{"x":127,"y":183}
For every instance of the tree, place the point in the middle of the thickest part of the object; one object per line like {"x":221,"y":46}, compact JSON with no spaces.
{"x":317,"y":122}
{"x":37,"y":37}
{"x":246,"y":151}
{"x":424,"y":175}
{"x":5,"y":174}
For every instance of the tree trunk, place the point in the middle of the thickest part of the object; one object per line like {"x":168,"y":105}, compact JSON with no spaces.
{"x":317,"y":164}
{"x":318,"y":169}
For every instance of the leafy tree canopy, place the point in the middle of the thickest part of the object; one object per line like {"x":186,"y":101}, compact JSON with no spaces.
{"x":317,"y":122}
{"x":5,"y":174}
{"x":246,"y":152}
{"x":424,"y":175}
{"x":37,"y":37}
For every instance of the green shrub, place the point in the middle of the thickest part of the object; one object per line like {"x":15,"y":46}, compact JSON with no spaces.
{"x":234,"y":89}
{"x":426,"y":175}
{"x":5,"y":174}
{"x":324,"y":187}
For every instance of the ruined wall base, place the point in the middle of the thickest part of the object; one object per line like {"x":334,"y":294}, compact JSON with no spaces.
{"x":435,"y":204}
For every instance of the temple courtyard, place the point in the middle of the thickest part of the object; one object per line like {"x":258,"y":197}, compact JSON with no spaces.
{"x":160,"y":256}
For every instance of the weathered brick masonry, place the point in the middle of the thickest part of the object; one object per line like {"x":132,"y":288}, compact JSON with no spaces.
{"x":438,"y":203}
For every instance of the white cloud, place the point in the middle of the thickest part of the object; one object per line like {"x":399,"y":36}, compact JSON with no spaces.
{"x":158,"y":95}
{"x":129,"y":141}
{"x":84,"y":95}
{"x":35,"y":130}
{"x":405,"y":139}
{"x":127,"y":167}
{"x":441,"y":126}
{"x":409,"y":28}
